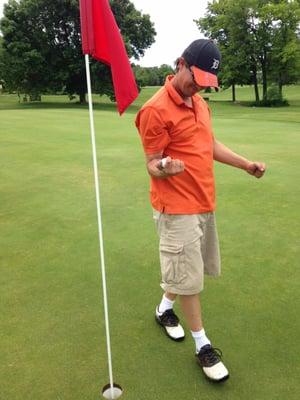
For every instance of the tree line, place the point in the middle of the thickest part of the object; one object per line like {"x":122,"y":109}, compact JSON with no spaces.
{"x":259,"y":41}
{"x":152,"y":76}
{"x":40,"y":47}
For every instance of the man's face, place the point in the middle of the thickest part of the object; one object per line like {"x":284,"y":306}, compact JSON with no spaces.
{"x":186,"y":82}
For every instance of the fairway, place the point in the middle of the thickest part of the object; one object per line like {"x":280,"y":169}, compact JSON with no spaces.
{"x":52,"y":337}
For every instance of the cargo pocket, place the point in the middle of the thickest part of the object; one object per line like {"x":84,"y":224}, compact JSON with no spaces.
{"x":172,"y":262}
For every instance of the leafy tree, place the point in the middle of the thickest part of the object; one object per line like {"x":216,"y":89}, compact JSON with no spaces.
{"x":258,"y":38}
{"x":152,"y":76}
{"x":1,"y":60}
{"x":42,"y":45}
{"x":33,"y":50}
{"x":285,"y":58}
{"x":226,"y":21}
{"x":163,"y":71}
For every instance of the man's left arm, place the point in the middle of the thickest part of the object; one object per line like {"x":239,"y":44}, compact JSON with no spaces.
{"x":226,"y":156}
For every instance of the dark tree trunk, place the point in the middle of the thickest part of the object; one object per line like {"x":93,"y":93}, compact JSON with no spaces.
{"x":254,"y":75}
{"x":280,"y":85}
{"x":82,"y":98}
{"x":233,"y":92}
{"x":264,"y":78}
{"x":256,"y":91}
{"x":264,"y":74}
{"x":255,"y":83}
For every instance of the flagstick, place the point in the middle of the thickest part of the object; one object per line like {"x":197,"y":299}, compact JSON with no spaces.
{"x":101,"y":247}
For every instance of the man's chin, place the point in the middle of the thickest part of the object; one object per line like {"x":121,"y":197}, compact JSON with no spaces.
{"x":193,"y":92}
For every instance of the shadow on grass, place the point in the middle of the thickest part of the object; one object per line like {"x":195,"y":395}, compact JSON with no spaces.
{"x":44,"y":105}
{"x":105,"y":106}
{"x":112,"y":107}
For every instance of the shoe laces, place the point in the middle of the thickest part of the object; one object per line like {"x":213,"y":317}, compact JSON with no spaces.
{"x":209,"y":355}
{"x":169,"y":318}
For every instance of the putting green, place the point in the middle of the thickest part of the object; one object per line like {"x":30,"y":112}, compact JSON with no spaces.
{"x":52,"y":337}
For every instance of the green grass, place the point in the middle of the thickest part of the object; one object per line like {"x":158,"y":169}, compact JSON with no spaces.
{"x":52,"y":337}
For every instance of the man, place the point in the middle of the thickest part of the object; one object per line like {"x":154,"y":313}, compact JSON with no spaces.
{"x":175,"y":129}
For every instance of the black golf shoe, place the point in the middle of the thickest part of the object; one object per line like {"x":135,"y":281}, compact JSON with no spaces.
{"x":209,"y":359}
{"x":170,"y":322}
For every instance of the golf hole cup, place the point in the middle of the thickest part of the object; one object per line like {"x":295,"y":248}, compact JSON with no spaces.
{"x":112,"y":393}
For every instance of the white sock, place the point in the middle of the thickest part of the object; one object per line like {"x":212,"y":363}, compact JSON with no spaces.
{"x":165,"y":304}
{"x":200,"y":339}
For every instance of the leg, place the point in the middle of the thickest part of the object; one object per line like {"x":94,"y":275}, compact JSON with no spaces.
{"x":191,"y":309}
{"x":208,"y":358}
{"x":171,"y":296}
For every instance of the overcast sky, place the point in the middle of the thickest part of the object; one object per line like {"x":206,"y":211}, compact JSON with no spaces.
{"x":174,"y":25}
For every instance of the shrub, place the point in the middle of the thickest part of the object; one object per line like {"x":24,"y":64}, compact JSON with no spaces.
{"x":274,"y":99}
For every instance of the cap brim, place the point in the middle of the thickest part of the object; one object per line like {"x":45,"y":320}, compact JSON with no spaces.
{"x":205,"y":79}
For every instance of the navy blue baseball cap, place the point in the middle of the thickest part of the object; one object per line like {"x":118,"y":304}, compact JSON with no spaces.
{"x":204,"y":58}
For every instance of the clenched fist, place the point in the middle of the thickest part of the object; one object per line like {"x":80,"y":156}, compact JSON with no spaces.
{"x":256,"y":168}
{"x":170,"y":166}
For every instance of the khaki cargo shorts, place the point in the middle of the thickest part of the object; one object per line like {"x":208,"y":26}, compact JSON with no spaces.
{"x":188,"y":248}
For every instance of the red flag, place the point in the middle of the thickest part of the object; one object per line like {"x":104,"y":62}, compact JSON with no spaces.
{"x":101,"y":39}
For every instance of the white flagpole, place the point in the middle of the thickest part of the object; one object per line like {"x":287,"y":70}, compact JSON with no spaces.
{"x":101,"y":246}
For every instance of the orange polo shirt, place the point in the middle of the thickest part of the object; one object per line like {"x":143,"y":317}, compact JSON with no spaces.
{"x":167,"y":124}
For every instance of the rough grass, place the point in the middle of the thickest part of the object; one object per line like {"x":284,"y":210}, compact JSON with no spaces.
{"x":52,"y":334}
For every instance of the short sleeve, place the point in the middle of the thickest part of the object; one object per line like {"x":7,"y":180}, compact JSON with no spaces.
{"x":153,"y":131}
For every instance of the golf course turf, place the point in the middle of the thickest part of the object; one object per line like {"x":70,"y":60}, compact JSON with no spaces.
{"x":52,"y":336}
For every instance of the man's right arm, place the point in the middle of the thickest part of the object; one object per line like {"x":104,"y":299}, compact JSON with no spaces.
{"x":155,"y":168}
{"x":155,"y":139}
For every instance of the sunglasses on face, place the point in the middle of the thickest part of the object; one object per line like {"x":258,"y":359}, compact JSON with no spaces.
{"x":193,"y":76}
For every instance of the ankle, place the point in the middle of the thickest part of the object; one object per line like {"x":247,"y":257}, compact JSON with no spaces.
{"x":200,"y":339}
{"x":165,"y":304}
